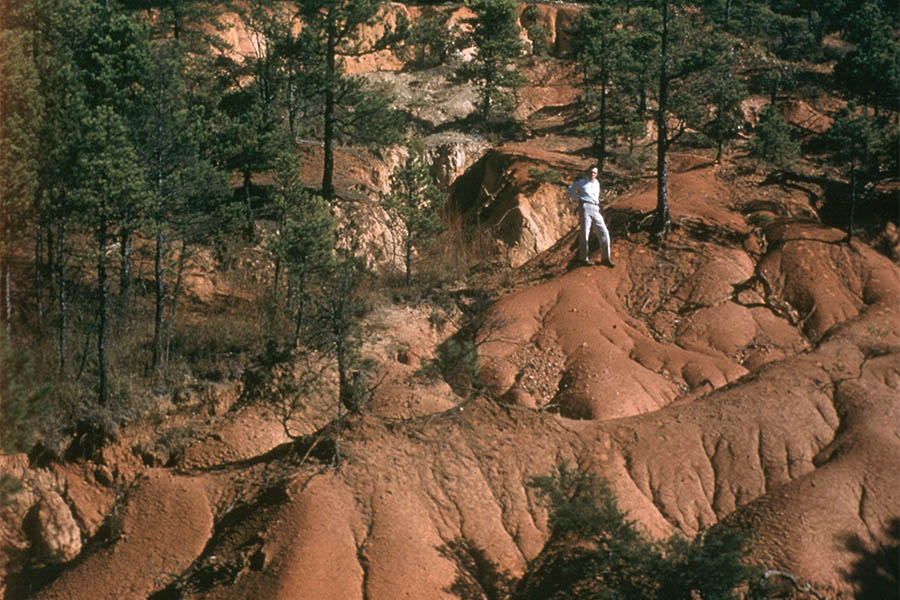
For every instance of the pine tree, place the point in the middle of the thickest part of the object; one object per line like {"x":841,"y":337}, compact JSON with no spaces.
{"x":114,"y":67}
{"x":495,"y":36}
{"x":684,"y":49}
{"x":335,"y":329}
{"x":725,"y":92}
{"x":304,"y":241}
{"x":413,"y":207}
{"x":110,"y":179}
{"x":346,"y":107}
{"x":772,"y":140}
{"x":870,"y":72}
{"x":599,"y":45}
{"x":430,"y":40}
{"x":250,"y":135}
{"x":21,"y":112}
{"x":596,"y":551}
{"x":185,"y":184}
{"x":854,"y":141}
{"x":57,"y":29}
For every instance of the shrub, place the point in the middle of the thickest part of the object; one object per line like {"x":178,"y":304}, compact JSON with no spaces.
{"x":595,"y":551}
{"x":548,"y":175}
{"x":540,"y":40}
{"x":431,"y":41}
{"x":457,"y":363}
{"x":23,"y":397}
{"x":772,"y":141}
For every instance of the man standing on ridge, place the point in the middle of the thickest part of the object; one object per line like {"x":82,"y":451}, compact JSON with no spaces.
{"x":586,"y":191}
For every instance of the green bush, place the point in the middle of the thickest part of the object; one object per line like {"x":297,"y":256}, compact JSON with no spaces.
{"x":23,"y":398}
{"x":595,"y":551}
{"x":773,"y":141}
{"x":540,"y":40}
{"x":548,"y":175}
{"x":431,"y":41}
{"x":457,"y":363}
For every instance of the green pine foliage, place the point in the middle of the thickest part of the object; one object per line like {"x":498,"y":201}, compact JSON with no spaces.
{"x":600,"y":47}
{"x":344,"y":105}
{"x":335,"y":330}
{"x":414,"y":207}
{"x":725,"y":91}
{"x":596,"y":551}
{"x":870,"y":72}
{"x":431,"y":41}
{"x":858,"y":144}
{"x":495,"y":35}
{"x":303,"y":244}
{"x":456,"y":362}
{"x":773,"y":140}
{"x":538,"y":34}
{"x":19,"y":149}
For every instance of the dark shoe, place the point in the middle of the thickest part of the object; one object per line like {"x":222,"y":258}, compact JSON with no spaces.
{"x":608,"y":263}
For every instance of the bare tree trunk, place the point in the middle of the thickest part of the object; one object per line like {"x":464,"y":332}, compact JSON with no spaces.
{"x":160,"y":289}
{"x":7,"y":295}
{"x":5,"y":274}
{"x":852,"y":198}
{"x":298,"y":323}
{"x":103,"y":387}
{"x":282,"y":221}
{"x":59,"y":274}
{"x":249,"y":203}
{"x":408,"y":259}
{"x":39,"y":274}
{"x":601,"y":158}
{"x":587,"y":84}
{"x":176,"y":291}
{"x":328,"y":165}
{"x":662,"y":133}
{"x":125,"y":270}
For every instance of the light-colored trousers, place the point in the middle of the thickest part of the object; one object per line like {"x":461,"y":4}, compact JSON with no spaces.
{"x":592,"y":221}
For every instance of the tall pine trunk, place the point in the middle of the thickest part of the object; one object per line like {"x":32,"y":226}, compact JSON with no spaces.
{"x":662,"y":133}
{"x":248,"y":200}
{"x":39,"y":275}
{"x":7,"y":295}
{"x":156,"y":360}
{"x":176,"y":291}
{"x":328,"y":164}
{"x":5,"y":260}
{"x":301,"y":307}
{"x":852,"y":198}
{"x":408,"y":259}
{"x":124,"y":272}
{"x":102,"y":298}
{"x":601,"y":158}
{"x":59,"y":275}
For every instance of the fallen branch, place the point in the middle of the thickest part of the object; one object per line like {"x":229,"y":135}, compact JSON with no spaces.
{"x":807,"y":589}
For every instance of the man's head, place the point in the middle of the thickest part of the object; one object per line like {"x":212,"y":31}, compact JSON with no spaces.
{"x":593,"y":172}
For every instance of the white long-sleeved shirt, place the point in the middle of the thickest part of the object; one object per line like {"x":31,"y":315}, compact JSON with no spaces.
{"x":585,"y":190}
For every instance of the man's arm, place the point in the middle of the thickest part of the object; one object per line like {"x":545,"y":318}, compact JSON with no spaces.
{"x":573,"y":189}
